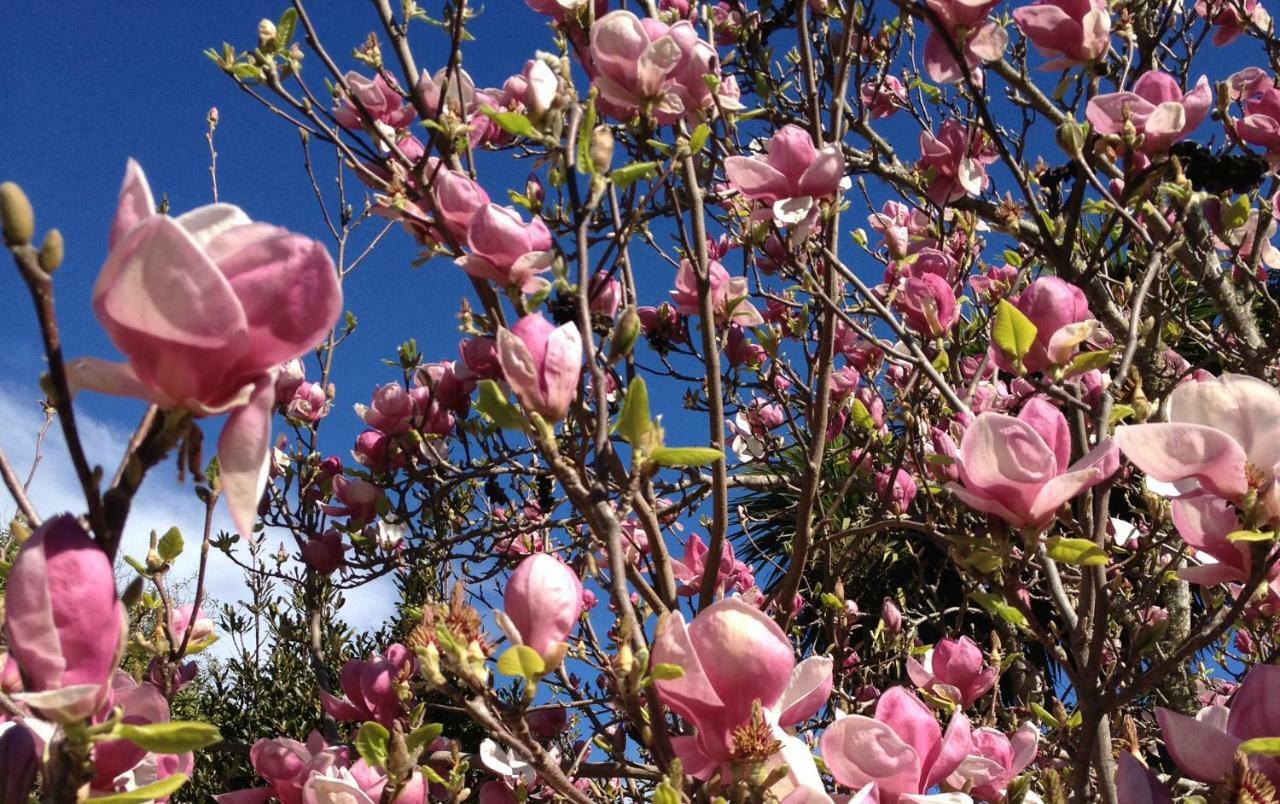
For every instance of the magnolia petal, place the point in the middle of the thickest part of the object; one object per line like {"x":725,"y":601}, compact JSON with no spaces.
{"x":244,"y":451}
{"x":1171,"y":452}
{"x":135,"y":204}
{"x":1201,"y":751}
{"x":807,"y":690}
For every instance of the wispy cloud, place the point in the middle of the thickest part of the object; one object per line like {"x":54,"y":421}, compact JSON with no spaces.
{"x":161,"y":503}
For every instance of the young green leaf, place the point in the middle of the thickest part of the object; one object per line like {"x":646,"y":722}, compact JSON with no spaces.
{"x":667,"y":672}
{"x":521,"y":661}
{"x":685,"y":456}
{"x":494,"y":405}
{"x":513,"y":123}
{"x":1077,"y":552}
{"x":1264,"y":746}
{"x":170,"y":545}
{"x":285,"y":28}
{"x":1013,"y":332}
{"x":171,"y":737}
{"x":627,"y":175}
{"x":371,"y":743}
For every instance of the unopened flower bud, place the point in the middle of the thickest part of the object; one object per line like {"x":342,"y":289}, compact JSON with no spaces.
{"x":625,"y":333}
{"x":51,"y":251}
{"x":601,"y":149}
{"x":212,"y":117}
{"x":1070,"y":136}
{"x":267,"y":36}
{"x":16,"y":216}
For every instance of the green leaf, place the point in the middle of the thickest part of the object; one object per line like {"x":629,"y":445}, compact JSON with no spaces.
{"x":667,"y":672}
{"x":1088,"y":361}
{"x":423,"y":736}
{"x":514,"y":123}
{"x":1077,"y":552}
{"x":1013,"y":332}
{"x":1251,"y":536}
{"x":1045,"y":718}
{"x":371,"y":743}
{"x":1266,"y":746}
{"x":161,"y":789}
{"x":627,"y":175}
{"x":1236,"y":214}
{"x":1121,"y":412}
{"x":999,"y":608}
{"x":172,"y":737}
{"x":699,"y":137}
{"x":634,"y":424}
{"x":521,"y":661}
{"x":170,"y":545}
{"x":494,"y":405}
{"x":685,"y":456}
{"x":285,"y":28}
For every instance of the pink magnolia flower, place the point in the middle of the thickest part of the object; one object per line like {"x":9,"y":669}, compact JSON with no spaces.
{"x":1228,"y":23}
{"x":605,"y":294}
{"x":292,"y":374}
{"x":729,"y":294}
{"x":480,"y":356}
{"x":534,"y":89}
{"x":902,"y":751}
{"x":382,"y":101}
{"x":457,"y":199}
{"x":1156,"y":108}
{"x":730,"y":574}
{"x":790,"y":175}
{"x":391,"y":409}
{"x":1066,"y":32}
{"x":184,"y":616}
{"x":883,"y":97}
{"x":1222,"y":437}
{"x":955,"y":670}
{"x":1260,"y":98}
{"x":1063,"y":321}
{"x":898,"y":224}
{"x":995,"y":761}
{"x":504,"y":249}
{"x":927,"y":305}
{"x":1204,"y":522}
{"x":309,"y":403}
{"x":325,"y":553}
{"x":735,"y":657}
{"x":541,"y":606}
{"x":542,"y":364}
{"x":1017,"y":468}
{"x":955,"y":161}
{"x":372,"y":687}
{"x":978,"y":39}
{"x":64,"y":625}
{"x":898,"y":487}
{"x":357,"y":498}
{"x":993,"y":285}
{"x":649,"y":65}
{"x":205,"y":307}
{"x":1204,"y":747}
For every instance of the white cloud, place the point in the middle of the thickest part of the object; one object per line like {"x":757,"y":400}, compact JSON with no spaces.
{"x":160,"y":504}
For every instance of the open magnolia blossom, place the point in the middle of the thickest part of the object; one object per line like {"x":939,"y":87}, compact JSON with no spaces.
{"x":63,"y":623}
{"x":740,"y":678}
{"x":1221,"y":437}
{"x":790,"y":175}
{"x":1204,"y":747}
{"x":205,"y":307}
{"x":954,"y":669}
{"x":1020,"y":469}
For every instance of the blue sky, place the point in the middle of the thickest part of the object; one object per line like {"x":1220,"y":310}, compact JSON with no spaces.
{"x":97,"y":83}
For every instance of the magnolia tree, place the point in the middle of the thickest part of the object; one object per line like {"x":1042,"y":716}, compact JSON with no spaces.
{"x":960,"y":317}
